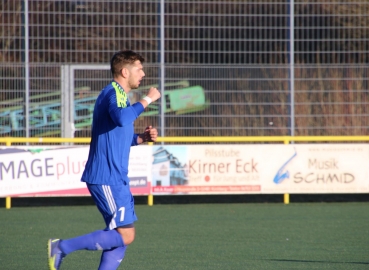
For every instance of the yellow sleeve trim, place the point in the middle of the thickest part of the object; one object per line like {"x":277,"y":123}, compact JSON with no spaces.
{"x":121,"y":95}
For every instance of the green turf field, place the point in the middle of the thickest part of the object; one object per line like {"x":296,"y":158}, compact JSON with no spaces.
{"x":200,"y":236}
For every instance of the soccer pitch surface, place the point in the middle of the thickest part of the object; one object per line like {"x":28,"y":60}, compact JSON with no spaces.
{"x":200,"y":236}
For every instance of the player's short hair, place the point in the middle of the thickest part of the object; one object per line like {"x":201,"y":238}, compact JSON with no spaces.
{"x":123,"y":58}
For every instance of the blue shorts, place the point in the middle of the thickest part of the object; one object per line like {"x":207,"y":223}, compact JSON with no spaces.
{"x":115,"y":203}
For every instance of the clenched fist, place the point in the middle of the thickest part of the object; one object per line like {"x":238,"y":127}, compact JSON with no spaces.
{"x":149,"y":135}
{"x":154,"y":94}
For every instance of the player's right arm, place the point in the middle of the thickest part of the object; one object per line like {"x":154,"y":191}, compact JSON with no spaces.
{"x":122,"y":114}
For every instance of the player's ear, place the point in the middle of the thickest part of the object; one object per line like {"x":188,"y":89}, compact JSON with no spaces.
{"x":124,"y":72}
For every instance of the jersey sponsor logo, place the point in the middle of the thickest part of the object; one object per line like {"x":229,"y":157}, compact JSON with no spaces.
{"x":121,"y":95}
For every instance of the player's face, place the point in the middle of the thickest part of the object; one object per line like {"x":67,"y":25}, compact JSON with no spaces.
{"x":136,"y":74}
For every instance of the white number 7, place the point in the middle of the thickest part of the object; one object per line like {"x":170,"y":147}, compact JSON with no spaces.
{"x":122,"y":210}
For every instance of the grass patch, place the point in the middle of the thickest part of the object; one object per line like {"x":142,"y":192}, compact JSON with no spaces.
{"x":200,"y":236}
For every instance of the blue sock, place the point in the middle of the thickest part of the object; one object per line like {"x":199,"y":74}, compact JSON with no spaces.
{"x":98,"y":240}
{"x":111,"y":259}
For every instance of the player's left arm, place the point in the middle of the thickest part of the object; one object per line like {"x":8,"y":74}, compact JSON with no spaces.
{"x":149,"y":135}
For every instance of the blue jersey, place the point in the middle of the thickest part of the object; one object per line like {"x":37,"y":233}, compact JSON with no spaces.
{"x":112,"y":137}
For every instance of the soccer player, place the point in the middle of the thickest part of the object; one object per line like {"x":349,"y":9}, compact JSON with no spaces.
{"x":106,"y":169}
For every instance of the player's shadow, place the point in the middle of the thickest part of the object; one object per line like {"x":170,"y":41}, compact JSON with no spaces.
{"x":307,"y":261}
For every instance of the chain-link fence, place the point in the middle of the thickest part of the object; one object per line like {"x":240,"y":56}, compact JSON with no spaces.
{"x":226,"y":68}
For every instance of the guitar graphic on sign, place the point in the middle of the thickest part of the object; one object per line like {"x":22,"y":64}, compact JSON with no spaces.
{"x":283,"y":174}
